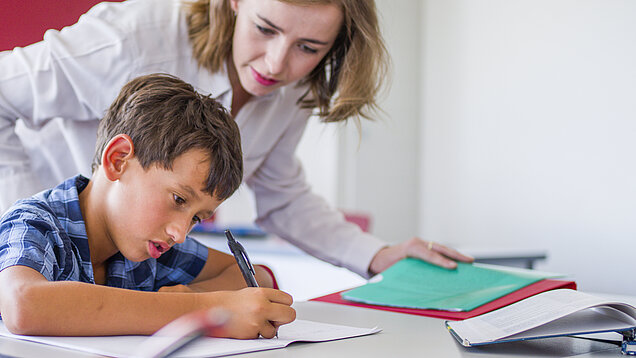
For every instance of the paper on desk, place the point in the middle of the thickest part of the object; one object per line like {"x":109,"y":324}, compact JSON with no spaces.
{"x":548,"y":314}
{"x":126,"y":346}
{"x":413,"y":283}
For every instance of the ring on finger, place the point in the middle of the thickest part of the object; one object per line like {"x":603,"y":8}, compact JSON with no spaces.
{"x":430,"y":245}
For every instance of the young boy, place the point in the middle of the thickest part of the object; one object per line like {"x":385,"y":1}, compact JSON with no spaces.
{"x":109,"y":255}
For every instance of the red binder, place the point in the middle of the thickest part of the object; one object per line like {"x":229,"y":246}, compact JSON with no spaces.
{"x":520,"y":294}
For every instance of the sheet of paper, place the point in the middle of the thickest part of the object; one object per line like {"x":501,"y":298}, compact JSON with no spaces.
{"x":126,"y":346}
{"x":412,"y":283}
{"x":563,"y":308}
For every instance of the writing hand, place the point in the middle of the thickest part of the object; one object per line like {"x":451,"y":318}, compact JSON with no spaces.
{"x":256,"y":311}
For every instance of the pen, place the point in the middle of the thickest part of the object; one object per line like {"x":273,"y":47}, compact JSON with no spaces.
{"x":243,"y":261}
{"x":181,"y":332}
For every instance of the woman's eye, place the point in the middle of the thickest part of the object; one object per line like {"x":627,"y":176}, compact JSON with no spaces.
{"x":179,"y":200}
{"x":308,"y":49}
{"x":265,"y":30}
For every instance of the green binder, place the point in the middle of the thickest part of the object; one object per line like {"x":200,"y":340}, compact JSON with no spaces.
{"x":413,"y":283}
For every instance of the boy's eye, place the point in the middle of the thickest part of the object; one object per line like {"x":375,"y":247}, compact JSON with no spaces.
{"x":196,"y":219}
{"x":265,"y":30}
{"x":179,"y":200}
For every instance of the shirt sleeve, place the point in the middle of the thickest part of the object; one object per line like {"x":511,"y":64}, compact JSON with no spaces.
{"x":181,"y":264}
{"x":286,"y":207}
{"x":26,"y":239}
{"x":74,"y":73}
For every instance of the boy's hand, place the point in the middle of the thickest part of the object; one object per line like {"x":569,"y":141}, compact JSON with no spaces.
{"x":256,"y":311}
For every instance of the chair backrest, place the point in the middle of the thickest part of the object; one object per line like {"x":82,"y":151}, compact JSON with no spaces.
{"x":363,"y":220}
{"x":23,"y":22}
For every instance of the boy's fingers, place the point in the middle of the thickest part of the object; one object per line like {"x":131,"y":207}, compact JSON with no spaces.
{"x":281,"y":314}
{"x":269,"y":331}
{"x":277,"y":296}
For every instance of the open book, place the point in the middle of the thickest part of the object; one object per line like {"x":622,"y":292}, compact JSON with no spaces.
{"x":128,"y":346}
{"x":549,"y":314}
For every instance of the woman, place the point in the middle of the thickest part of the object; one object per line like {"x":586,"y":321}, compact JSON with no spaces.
{"x":272,"y":62}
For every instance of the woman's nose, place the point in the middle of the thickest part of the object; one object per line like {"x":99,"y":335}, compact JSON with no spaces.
{"x":276,"y":58}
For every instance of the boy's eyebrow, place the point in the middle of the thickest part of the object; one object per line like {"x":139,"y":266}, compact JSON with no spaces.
{"x":318,"y":42}
{"x":208,"y":213}
{"x":188,"y":189}
{"x":191,"y":192}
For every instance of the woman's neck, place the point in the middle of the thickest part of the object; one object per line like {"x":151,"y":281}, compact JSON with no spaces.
{"x":239,"y":95}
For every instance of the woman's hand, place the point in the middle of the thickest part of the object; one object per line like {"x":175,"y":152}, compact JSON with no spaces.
{"x":428,"y":251}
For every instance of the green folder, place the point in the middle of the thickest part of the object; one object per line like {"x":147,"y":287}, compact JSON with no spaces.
{"x":413,"y":283}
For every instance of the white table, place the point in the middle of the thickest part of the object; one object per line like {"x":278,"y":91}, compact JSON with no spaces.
{"x":402,"y":336}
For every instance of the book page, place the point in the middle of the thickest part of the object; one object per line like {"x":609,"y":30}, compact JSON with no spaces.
{"x":527,"y":314}
{"x":126,"y":346}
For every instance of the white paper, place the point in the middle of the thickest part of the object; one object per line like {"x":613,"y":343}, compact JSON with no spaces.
{"x":126,"y":346}
{"x":549,"y":313}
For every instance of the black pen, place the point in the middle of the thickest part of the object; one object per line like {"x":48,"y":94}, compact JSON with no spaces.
{"x":243,"y":261}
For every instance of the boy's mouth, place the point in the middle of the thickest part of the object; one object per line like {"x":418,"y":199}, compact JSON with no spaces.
{"x":156,"y":248}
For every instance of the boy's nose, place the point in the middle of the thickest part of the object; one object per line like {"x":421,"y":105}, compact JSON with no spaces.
{"x":177,"y":232}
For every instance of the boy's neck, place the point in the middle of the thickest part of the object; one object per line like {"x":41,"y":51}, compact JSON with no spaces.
{"x":100,"y":246}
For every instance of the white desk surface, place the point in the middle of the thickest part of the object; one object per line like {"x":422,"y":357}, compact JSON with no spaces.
{"x":402,"y":336}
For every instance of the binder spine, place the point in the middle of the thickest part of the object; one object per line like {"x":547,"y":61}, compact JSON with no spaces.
{"x":629,"y":342}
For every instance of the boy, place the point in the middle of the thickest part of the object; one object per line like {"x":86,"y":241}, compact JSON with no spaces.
{"x":85,"y":257}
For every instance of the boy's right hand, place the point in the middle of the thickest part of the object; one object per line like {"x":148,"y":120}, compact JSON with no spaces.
{"x":255,"y":311}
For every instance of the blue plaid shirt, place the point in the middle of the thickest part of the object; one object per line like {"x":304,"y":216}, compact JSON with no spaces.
{"x":47,"y":233}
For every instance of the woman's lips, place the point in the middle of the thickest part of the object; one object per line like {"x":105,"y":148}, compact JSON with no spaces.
{"x":265,"y":81}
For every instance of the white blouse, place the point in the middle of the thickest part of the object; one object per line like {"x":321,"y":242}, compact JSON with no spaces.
{"x":59,"y":89}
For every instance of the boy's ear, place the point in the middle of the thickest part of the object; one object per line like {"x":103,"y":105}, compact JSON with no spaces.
{"x":116,"y":155}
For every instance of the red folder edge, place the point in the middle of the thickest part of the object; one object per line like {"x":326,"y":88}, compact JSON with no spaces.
{"x":520,"y":294}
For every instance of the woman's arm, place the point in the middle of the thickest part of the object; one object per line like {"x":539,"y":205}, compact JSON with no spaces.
{"x":287,"y":207}
{"x":32,"y":305}
{"x":72,"y":74}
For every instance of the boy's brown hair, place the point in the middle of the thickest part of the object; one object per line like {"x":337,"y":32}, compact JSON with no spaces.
{"x":165,"y":117}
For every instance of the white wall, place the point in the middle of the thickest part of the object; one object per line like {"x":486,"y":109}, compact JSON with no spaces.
{"x":379,"y":167}
{"x":510,"y":123}
{"x":528,"y":131}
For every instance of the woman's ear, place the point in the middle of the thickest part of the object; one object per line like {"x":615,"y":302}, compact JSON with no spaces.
{"x":116,"y":155}
{"x":234,"y":5}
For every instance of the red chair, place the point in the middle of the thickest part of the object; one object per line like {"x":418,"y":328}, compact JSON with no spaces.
{"x":23,"y":22}
{"x":363,"y":220}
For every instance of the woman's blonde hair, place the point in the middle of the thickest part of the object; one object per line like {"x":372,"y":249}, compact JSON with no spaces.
{"x":343,"y":85}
